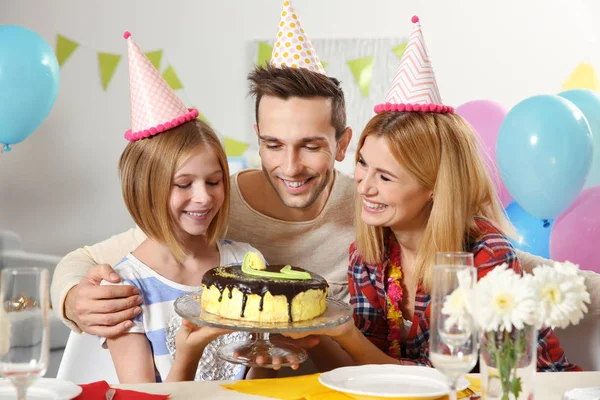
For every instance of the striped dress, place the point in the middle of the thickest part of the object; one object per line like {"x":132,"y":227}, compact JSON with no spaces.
{"x":159,"y":294}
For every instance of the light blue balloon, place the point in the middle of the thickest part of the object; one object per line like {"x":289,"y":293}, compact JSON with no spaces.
{"x":29,"y":80}
{"x":533,"y":235}
{"x":544,"y":153}
{"x":588,"y":101}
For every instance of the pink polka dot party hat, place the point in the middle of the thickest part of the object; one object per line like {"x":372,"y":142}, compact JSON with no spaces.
{"x":292,"y":47}
{"x":155,"y":107}
{"x":414,"y":87}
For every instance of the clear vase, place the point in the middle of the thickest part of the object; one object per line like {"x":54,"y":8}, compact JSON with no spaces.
{"x":507,"y":362}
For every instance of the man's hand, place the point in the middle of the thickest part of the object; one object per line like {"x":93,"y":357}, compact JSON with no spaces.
{"x":102,"y":310}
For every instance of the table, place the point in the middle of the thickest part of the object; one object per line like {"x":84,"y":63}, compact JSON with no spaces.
{"x":549,"y":385}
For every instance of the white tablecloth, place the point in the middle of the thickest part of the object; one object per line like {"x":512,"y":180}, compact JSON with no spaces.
{"x":549,"y":386}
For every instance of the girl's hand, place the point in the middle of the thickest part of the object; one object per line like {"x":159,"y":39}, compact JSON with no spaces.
{"x":191,"y":339}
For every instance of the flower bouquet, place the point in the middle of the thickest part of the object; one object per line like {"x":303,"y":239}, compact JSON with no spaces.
{"x":509,"y":309}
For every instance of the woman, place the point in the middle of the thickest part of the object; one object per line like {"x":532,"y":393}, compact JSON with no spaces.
{"x":422,"y":188}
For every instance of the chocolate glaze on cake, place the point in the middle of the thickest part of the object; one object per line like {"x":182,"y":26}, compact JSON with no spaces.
{"x":231,"y":276}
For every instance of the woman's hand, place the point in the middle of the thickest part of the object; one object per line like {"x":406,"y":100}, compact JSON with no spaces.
{"x":304,"y":343}
{"x":334,"y":332}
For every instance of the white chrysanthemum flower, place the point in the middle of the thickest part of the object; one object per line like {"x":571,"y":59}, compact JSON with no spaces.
{"x":458,"y":304}
{"x":566,"y":268}
{"x":505,"y":301}
{"x":561,"y":294}
{"x":4,"y":331}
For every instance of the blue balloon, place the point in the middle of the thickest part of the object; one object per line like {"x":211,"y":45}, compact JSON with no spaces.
{"x":533,"y":235}
{"x":29,"y":80}
{"x":588,"y":101}
{"x":544,"y":154}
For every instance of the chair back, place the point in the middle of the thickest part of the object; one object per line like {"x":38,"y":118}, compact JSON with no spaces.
{"x":581,"y":343}
{"x":85,"y":361}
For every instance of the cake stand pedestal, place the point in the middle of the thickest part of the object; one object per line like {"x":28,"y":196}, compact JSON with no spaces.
{"x":261,"y":350}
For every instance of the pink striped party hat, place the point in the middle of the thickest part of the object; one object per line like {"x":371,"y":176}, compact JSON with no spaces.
{"x":155,"y":107}
{"x":292,"y":47}
{"x":414,"y":87}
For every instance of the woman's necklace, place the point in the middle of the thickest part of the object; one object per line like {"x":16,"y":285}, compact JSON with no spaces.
{"x":394,"y":299}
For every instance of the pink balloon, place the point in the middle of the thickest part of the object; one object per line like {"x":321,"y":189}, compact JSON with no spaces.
{"x":575,"y":235}
{"x":486,"y":116}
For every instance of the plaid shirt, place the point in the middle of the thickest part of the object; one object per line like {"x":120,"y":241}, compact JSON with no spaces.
{"x":368,"y":299}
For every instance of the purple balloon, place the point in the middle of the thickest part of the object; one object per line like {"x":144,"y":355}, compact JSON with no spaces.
{"x":486,"y":116}
{"x":576,"y":233}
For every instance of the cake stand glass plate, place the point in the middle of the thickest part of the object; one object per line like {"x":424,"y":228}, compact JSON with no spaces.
{"x":261,"y":351}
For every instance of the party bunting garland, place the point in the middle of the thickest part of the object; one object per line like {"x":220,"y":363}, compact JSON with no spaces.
{"x":362,"y":70}
{"x":399,"y":50}
{"x":264,"y":53}
{"x":235,"y":148}
{"x":170,"y":76}
{"x":155,"y":57}
{"x":108,"y":63}
{"x":584,"y":77}
{"x":64,"y":48}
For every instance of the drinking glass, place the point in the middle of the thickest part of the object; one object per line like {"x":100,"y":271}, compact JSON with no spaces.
{"x":453,"y":336}
{"x":24,"y":331}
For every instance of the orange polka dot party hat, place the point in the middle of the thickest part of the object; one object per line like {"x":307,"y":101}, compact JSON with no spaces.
{"x":292,"y":46}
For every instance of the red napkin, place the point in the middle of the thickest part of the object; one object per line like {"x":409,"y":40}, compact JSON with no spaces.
{"x":97,"y":391}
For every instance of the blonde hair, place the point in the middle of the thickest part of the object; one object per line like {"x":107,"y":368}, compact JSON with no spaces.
{"x":441,"y":152}
{"x":147,"y":167}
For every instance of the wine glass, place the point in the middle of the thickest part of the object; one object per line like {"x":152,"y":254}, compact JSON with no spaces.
{"x":453,"y":336}
{"x":24,"y":331}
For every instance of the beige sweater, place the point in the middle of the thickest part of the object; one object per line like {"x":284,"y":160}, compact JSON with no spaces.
{"x":320,"y":245}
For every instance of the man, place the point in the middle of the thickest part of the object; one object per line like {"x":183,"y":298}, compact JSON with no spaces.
{"x":298,"y":210}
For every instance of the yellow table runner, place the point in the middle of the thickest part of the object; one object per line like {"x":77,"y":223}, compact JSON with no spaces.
{"x":307,"y":387}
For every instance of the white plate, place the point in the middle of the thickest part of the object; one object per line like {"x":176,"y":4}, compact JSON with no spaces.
{"x":588,"y":393}
{"x":390,"y":381}
{"x":42,"y":388}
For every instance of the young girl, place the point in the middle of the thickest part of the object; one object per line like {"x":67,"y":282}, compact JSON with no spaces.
{"x":175,"y":183}
{"x":421,"y":188}
{"x":176,"y":187}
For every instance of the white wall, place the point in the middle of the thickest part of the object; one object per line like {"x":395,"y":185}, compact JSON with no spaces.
{"x":59,"y":189}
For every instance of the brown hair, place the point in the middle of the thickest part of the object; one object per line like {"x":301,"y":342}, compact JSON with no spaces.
{"x":147,"y":167}
{"x":288,"y":82}
{"x":441,"y":152}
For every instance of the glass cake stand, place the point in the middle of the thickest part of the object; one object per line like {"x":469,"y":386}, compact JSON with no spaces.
{"x":261,"y":351}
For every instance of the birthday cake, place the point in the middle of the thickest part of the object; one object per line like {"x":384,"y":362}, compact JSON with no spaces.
{"x":254,"y":291}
